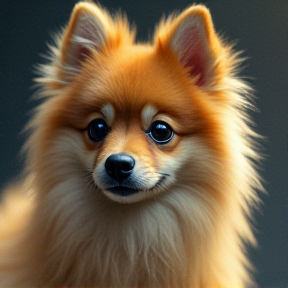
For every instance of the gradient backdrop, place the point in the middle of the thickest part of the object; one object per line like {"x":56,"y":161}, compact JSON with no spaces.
{"x":261,"y":28}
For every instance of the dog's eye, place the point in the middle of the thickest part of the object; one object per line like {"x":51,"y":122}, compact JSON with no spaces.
{"x":97,"y":130}
{"x":160,"y":132}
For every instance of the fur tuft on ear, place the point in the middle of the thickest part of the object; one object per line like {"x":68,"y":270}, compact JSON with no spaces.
{"x":86,"y":32}
{"x":192,"y":37}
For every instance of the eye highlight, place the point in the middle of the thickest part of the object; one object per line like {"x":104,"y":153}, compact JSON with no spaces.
{"x":160,"y":132}
{"x":97,"y":130}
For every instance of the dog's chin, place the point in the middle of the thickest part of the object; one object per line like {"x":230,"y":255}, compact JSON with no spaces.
{"x":127,"y":195}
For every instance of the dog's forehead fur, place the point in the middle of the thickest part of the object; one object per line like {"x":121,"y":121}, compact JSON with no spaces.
{"x":136,"y":80}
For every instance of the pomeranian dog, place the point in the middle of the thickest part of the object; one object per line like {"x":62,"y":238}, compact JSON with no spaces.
{"x":140,"y":165}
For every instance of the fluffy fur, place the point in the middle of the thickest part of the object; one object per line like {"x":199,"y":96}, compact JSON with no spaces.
{"x":61,"y":226}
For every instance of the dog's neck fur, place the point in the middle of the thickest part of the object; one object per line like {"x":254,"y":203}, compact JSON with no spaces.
{"x":156,"y":243}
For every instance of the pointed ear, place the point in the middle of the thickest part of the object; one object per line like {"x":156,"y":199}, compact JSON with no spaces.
{"x":86,"y":32}
{"x":192,"y":37}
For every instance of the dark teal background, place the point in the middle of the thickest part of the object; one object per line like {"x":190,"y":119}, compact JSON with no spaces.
{"x":261,"y":28}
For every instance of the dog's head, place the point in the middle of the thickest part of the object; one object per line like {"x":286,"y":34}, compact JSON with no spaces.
{"x":136,"y":118}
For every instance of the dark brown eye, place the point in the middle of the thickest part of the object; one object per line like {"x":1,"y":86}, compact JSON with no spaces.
{"x":160,"y":132}
{"x":98,"y":130}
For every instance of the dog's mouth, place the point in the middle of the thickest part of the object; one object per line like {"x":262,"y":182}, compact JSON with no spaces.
{"x":125,"y":191}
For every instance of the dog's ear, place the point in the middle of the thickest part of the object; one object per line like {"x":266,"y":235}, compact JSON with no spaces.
{"x":91,"y":31}
{"x":192,"y":38}
{"x":86,"y":32}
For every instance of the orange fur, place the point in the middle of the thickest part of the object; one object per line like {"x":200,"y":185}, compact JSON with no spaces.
{"x":188,"y":232}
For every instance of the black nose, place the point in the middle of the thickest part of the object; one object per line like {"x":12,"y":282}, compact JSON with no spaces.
{"x":119,"y":166}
